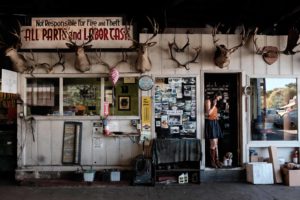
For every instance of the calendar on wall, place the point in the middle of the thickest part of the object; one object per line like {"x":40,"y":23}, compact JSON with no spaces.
{"x":175,"y":107}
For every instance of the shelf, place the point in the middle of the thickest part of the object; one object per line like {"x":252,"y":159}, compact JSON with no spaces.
{"x":123,"y":135}
{"x":178,"y":170}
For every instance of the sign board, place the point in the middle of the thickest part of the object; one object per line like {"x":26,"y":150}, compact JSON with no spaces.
{"x":9,"y":81}
{"x":146,"y":113}
{"x":53,"y":33}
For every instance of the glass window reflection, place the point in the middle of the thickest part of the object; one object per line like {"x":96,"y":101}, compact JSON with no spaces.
{"x":274,"y":109}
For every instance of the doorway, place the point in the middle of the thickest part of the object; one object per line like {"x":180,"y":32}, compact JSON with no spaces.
{"x":229,"y":84}
{"x":8,"y":135}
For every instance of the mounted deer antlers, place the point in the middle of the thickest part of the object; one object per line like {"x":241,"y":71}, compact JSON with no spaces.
{"x":293,"y":37}
{"x":269,"y":53}
{"x":102,"y":62}
{"x":174,"y":46}
{"x":222,"y":53}
{"x":19,"y":63}
{"x":143,"y":62}
{"x":82,"y":61}
{"x":113,"y":72}
{"x":60,"y":62}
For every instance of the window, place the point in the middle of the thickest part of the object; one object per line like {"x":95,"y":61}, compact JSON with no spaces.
{"x":123,"y":98}
{"x":42,"y":96}
{"x":82,"y":96}
{"x":274,"y":109}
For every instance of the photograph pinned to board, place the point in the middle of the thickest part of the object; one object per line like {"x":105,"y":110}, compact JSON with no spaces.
{"x":174,"y":129}
{"x":189,"y":127}
{"x":175,"y":119}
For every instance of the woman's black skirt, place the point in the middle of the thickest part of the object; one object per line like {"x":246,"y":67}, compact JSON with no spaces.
{"x":212,"y":129}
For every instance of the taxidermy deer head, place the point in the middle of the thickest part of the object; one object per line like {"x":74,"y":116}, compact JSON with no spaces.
{"x":222,"y":53}
{"x":19,"y":63}
{"x":174,"y":46}
{"x":82,"y":61}
{"x":143,"y":62}
{"x":269,"y":53}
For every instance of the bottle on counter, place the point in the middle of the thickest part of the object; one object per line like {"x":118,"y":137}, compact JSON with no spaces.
{"x":295,"y":157}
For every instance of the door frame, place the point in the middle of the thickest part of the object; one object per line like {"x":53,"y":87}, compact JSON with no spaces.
{"x":241,"y":114}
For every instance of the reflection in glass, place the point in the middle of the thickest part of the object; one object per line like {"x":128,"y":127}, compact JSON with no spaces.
{"x":81,"y":96}
{"x":274,"y":109}
{"x":42,"y":96}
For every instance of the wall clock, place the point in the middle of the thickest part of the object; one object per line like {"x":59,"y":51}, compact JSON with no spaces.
{"x":145,"y":82}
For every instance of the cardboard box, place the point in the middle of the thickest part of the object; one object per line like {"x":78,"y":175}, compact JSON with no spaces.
{"x":255,"y":158}
{"x":260,"y":173}
{"x":291,"y":176}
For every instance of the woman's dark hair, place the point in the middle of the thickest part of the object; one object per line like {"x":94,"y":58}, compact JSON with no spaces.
{"x":218,"y":93}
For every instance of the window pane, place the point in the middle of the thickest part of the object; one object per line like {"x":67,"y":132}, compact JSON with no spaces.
{"x":81,"y":96}
{"x":274,"y":109}
{"x":42,"y":96}
{"x":123,"y":98}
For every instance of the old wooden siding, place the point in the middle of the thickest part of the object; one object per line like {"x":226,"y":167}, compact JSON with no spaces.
{"x":46,"y":148}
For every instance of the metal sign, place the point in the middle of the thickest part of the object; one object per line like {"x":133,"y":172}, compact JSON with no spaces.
{"x":53,"y":33}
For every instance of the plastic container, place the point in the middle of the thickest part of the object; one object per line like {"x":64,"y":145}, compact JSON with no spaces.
{"x":115,"y":176}
{"x":89,"y":176}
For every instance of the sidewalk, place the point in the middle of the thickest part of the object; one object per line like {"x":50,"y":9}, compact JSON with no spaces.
{"x":203,"y":191}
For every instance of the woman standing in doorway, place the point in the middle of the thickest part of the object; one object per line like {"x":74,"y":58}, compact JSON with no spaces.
{"x":212,"y":128}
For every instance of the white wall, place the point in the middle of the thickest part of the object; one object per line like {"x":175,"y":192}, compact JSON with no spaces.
{"x":46,"y":150}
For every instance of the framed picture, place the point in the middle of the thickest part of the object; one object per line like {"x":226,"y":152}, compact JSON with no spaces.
{"x":124,"y":103}
{"x":108,"y":96}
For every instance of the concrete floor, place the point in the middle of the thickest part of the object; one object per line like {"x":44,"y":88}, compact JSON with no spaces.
{"x":203,"y":191}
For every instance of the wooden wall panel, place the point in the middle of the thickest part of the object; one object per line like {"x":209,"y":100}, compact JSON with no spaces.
{"x":86,"y":143}
{"x":260,"y":67}
{"x":99,"y":151}
{"x":235,"y":61}
{"x":168,"y":66}
{"x":30,"y":141}
{"x":286,"y":63}
{"x":154,"y":54}
{"x":112,"y":151}
{"x":47,"y":147}
{"x":56,"y":142}
{"x":44,"y":142}
{"x":247,"y":57}
{"x":125,"y":151}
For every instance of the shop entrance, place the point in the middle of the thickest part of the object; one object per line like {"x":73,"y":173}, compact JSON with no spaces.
{"x":8,"y":135}
{"x":229,"y":118}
